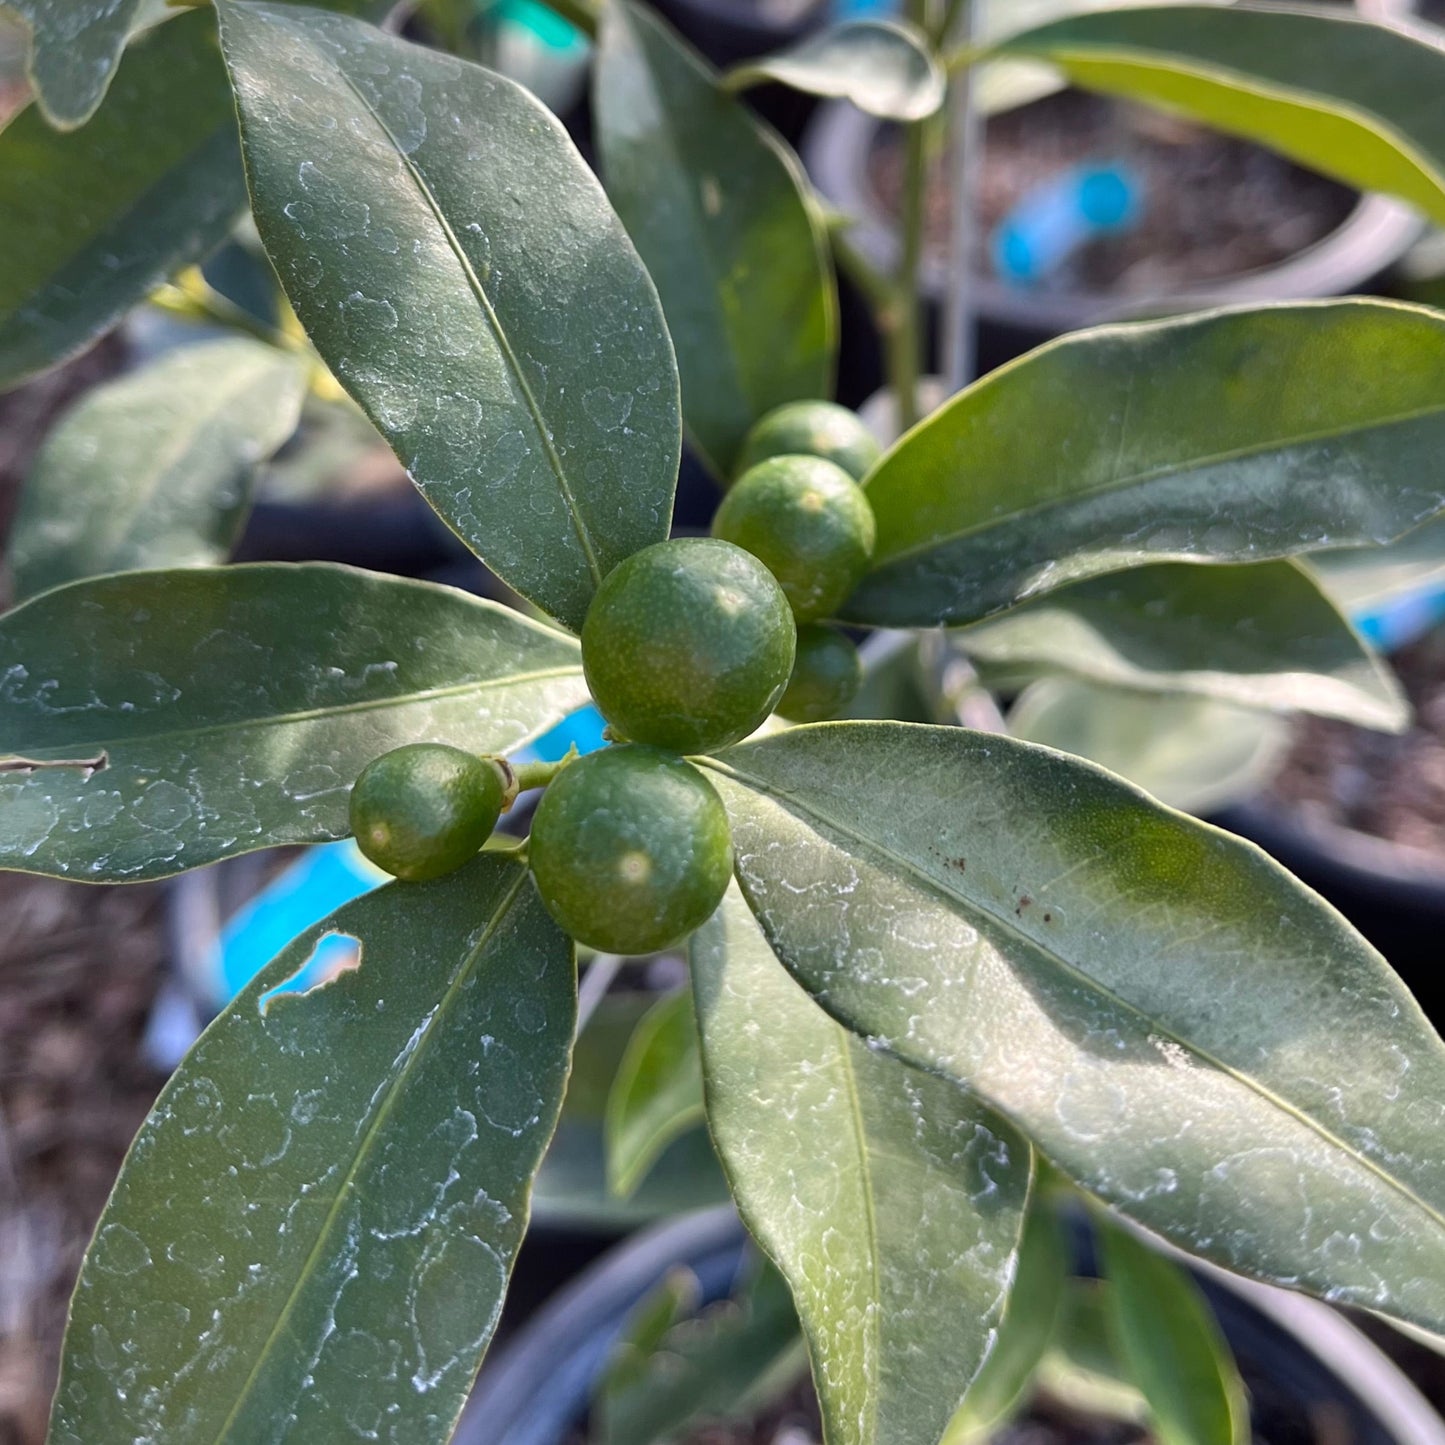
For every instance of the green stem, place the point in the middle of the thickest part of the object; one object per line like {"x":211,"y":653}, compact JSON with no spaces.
{"x":885,"y":300}
{"x":190,"y":296}
{"x":906,"y":354}
{"x":525,"y":776}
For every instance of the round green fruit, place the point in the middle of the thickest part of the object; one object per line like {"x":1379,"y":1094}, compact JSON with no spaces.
{"x":809,"y":523}
{"x":630,"y":849}
{"x":688,"y":645}
{"x":814,"y":429}
{"x":826,"y":676}
{"x":423,"y":810}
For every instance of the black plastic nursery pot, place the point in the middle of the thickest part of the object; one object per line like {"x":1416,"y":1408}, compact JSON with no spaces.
{"x":840,"y":150}
{"x":729,"y":31}
{"x":1393,"y":893}
{"x":1306,"y":1367}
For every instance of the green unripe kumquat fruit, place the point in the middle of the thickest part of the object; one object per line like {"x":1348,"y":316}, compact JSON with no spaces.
{"x":814,"y":429}
{"x":688,"y":645}
{"x":826,"y":676}
{"x":423,"y":810}
{"x":809,"y":523}
{"x":631,"y":850}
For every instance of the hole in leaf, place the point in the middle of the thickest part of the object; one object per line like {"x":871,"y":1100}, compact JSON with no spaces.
{"x":335,"y":954}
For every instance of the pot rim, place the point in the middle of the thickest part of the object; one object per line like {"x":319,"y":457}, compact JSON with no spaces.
{"x":531,"y":1364}
{"x":1376,"y":232}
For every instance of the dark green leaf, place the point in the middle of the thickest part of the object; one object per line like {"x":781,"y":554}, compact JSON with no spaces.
{"x":881,"y":66}
{"x":1030,"y":1317}
{"x":1084,"y":1368}
{"x":571,"y":1188}
{"x":716,"y":206}
{"x":1177,"y":1023}
{"x":1350,"y":97}
{"x":75,"y":47}
{"x":1194,"y":753}
{"x":155,"y":469}
{"x":731,"y":1361}
{"x":891,"y":1201}
{"x":657,"y":1093}
{"x":96,"y":219}
{"x":1262,"y":636}
{"x":1236,"y":436}
{"x":458,"y":266}
{"x":1173,"y":1347}
{"x":174,"y":718}
{"x":312,"y":1234}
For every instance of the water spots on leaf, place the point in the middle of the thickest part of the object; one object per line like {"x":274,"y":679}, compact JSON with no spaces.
{"x":454,"y":1301}
{"x":607,"y":409}
{"x":369,"y":314}
{"x":120,"y":1251}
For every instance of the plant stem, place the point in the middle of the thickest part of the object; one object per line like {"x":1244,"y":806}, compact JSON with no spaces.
{"x":885,"y":300}
{"x":192,"y":297}
{"x":959,"y":358}
{"x":906,"y":354}
{"x":595,"y":983}
{"x":525,"y":776}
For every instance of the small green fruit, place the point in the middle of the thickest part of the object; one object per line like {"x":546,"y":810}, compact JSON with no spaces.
{"x":688,"y":645}
{"x":630,"y":849}
{"x":826,"y":676}
{"x":809,"y":523}
{"x":814,"y":429}
{"x":423,"y":810}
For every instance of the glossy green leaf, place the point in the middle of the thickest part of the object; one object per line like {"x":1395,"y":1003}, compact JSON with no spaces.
{"x":154,"y":721}
{"x":571,"y":1187}
{"x":301,"y":1251}
{"x":1178,"y":1024}
{"x":75,"y":47}
{"x":1084,"y":1369}
{"x":657,"y":1094}
{"x":891,"y":1201}
{"x":459,"y":268}
{"x":1195,"y":753}
{"x":1350,"y":97}
{"x":96,"y":219}
{"x":155,"y":469}
{"x":1234,"y":436}
{"x":727,"y":1363}
{"x":717,"y":208}
{"x":1361,"y":577}
{"x":1262,"y":636}
{"x":1172,"y":1345}
{"x":1030,"y":1318}
{"x":883,"y":67}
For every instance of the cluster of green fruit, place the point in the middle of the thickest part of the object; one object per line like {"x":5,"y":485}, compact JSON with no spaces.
{"x":689,"y":645}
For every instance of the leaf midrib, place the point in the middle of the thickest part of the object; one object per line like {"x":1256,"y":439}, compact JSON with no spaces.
{"x":504,"y":346}
{"x":366,"y":1144}
{"x":931,"y":885}
{"x":1141,"y":479}
{"x":409,"y":699}
{"x":843,"y":1039}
